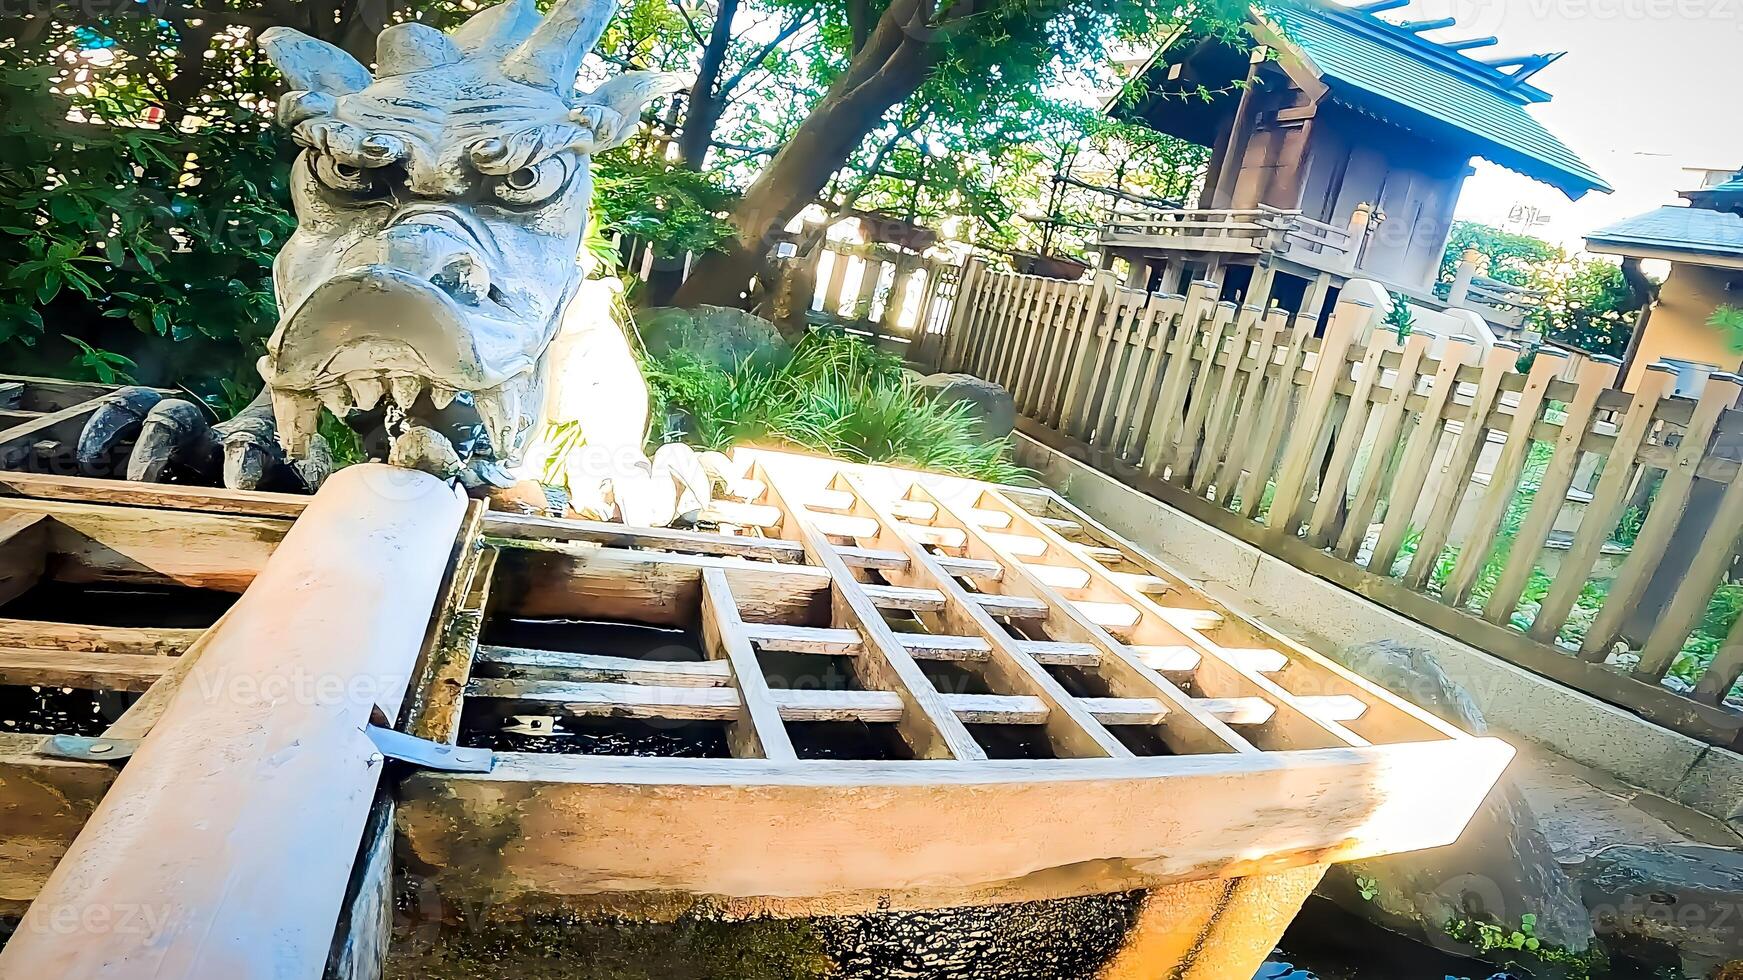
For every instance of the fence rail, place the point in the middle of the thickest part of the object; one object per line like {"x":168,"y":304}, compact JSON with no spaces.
{"x":1585,"y":533}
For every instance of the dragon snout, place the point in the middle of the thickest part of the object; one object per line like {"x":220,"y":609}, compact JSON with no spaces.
{"x":432,"y":248}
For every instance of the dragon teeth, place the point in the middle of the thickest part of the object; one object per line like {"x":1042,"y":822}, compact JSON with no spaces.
{"x":406,"y":390}
{"x":366,"y":391}
{"x":298,"y":413}
{"x":498,"y":422}
{"x":442,"y":397}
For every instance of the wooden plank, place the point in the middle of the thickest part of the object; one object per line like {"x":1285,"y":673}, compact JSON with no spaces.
{"x":1119,"y":667}
{"x":23,"y":553}
{"x":1456,"y":476}
{"x":970,"y":293}
{"x":62,"y":424}
{"x":1176,"y":381}
{"x":1198,"y":399}
{"x":1071,"y":731}
{"x":1661,"y":522}
{"x":921,"y":646}
{"x":1099,"y":330}
{"x":44,"y":803}
{"x":557,"y":581}
{"x":156,"y":547}
{"x":209,"y":500}
{"x":756,"y":731}
{"x":83,"y":671}
{"x":1503,"y":481}
{"x":1246,"y":409}
{"x":1694,"y":594}
{"x":524,"y":664}
{"x":1274,"y":427}
{"x":1123,"y":360}
{"x":1609,"y":500}
{"x":148,"y":641}
{"x":1721,"y":675}
{"x":1146,"y":362}
{"x":1351,"y":432}
{"x":1593,"y":378}
{"x":1390,"y":420}
{"x":1000,"y":831}
{"x":1418,"y":457}
{"x":1348,"y":321}
{"x":927,"y":725}
{"x":1059,"y":299}
{"x":1222,"y":409}
{"x":1065,"y":404}
{"x":522,"y":527}
{"x":1170,"y":309}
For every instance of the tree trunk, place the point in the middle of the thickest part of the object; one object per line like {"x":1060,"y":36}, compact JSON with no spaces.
{"x":889,"y":68}
{"x":703,"y":112}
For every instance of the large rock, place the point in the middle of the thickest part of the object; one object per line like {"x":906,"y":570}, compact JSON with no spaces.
{"x":720,"y":335}
{"x":1501,"y":870}
{"x":1686,"y":899}
{"x":990,"y":405}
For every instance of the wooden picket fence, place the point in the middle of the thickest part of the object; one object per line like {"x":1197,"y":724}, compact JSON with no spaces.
{"x":1355,"y":456}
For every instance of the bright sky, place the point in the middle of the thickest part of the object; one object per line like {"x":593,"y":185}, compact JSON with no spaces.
{"x":1645,"y":90}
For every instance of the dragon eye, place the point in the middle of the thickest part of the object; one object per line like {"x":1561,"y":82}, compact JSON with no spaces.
{"x":535,"y":184}
{"x":343,"y":178}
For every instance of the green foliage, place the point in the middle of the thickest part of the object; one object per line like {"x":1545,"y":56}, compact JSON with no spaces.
{"x":836,"y":395}
{"x":1495,"y":938}
{"x":1400,"y":317}
{"x":132,"y":251}
{"x":1587,"y":304}
{"x":1728,"y":320}
{"x":1367,"y":887}
{"x":674,"y":209}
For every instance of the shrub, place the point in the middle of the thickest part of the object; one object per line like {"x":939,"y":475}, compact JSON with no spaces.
{"x":836,"y":395}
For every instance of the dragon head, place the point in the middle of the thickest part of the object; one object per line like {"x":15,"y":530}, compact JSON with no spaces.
{"x":441,"y":204}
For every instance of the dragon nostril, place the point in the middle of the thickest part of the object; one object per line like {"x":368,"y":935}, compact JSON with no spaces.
{"x":465,"y":278}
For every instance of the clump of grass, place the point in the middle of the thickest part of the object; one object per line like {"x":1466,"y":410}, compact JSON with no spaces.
{"x":836,"y":395}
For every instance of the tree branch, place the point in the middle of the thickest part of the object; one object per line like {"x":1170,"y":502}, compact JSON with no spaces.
{"x":756,"y":60}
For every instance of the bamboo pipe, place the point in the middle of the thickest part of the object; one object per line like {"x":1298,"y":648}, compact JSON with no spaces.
{"x":224,"y":847}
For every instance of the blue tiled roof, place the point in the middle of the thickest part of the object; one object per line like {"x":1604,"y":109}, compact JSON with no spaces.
{"x":1676,"y":229}
{"x":1366,"y":61}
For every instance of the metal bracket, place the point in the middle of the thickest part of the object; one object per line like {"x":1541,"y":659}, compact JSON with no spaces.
{"x":84,"y":748}
{"x":430,"y":755}
{"x":391,"y":744}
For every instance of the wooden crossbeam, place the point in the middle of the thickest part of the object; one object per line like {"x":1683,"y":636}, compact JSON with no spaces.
{"x":921,"y":646}
{"x":150,"y":641}
{"x":755,"y":731}
{"x":1071,"y":729}
{"x":525,"y":664}
{"x":1184,"y":728}
{"x":930,"y":728}
{"x":649,"y":702}
{"x":84,"y":671}
{"x":1289,"y":725}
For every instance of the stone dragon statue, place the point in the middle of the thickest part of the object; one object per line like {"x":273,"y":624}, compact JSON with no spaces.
{"x":441,"y":201}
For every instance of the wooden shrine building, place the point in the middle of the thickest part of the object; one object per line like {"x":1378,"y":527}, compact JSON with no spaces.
{"x":1341,"y":142}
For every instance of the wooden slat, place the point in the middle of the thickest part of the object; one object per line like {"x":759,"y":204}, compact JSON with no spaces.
{"x":526,"y":664}
{"x":1246,"y":409}
{"x":756,"y":731}
{"x":927,"y":725}
{"x":1292,"y":725}
{"x":1120,"y":667}
{"x":1351,"y":430}
{"x":1455,"y":478}
{"x":1348,"y":321}
{"x":84,"y":671}
{"x":1140,"y":378}
{"x":1177,"y":379}
{"x":1123,"y":360}
{"x":23,"y":553}
{"x":1274,"y":427}
{"x":1503,"y":481}
{"x":147,"y":641}
{"x":1661,"y":524}
{"x":504,"y":525}
{"x":1390,"y":415}
{"x":1199,"y":396}
{"x":1221,"y":410}
{"x":1594,"y":377}
{"x":1071,"y":731}
{"x":1609,"y":501}
{"x":1418,"y":457}
{"x":922,"y":646}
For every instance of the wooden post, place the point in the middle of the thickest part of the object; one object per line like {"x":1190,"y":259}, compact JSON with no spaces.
{"x":1071,"y":406}
{"x":225,"y":846}
{"x":1212,"y":930}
